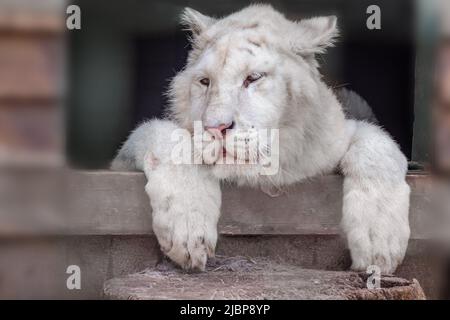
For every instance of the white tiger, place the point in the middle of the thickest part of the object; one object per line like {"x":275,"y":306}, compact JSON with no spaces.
{"x":255,"y":69}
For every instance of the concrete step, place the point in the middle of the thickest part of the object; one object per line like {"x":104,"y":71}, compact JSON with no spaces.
{"x":101,"y":222}
{"x":115,"y":203}
{"x":256,"y":279}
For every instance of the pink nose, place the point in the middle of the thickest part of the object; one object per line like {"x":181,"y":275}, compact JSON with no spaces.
{"x":220,"y":130}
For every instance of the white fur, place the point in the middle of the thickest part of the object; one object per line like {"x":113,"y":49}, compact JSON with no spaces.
{"x":376,"y":199}
{"x":315,"y":136}
{"x":185,"y":199}
{"x":355,"y":107}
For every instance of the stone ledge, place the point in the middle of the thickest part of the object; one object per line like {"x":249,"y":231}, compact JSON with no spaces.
{"x":240,"y":278}
{"x":114,"y":203}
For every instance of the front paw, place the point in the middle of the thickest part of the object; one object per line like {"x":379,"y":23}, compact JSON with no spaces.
{"x":186,"y":238}
{"x":381,"y":245}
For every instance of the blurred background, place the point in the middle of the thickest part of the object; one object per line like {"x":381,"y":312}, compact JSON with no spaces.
{"x":69,"y":98}
{"x":74,"y":95}
{"x":134,"y":52}
{"x":32,"y":80}
{"x":441,"y":96}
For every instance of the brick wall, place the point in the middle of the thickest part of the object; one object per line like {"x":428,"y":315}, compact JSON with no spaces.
{"x":31,"y":79}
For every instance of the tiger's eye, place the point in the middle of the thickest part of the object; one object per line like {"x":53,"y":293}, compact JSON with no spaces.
{"x":205,"y":82}
{"x":252,"y":78}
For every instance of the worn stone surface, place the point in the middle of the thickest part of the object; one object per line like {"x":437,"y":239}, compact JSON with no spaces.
{"x":115,"y":203}
{"x":108,"y":232}
{"x":31,"y":271}
{"x":245,"y":278}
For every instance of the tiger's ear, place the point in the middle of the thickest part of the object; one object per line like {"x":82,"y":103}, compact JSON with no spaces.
{"x":315,"y":35}
{"x":195,"y":22}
